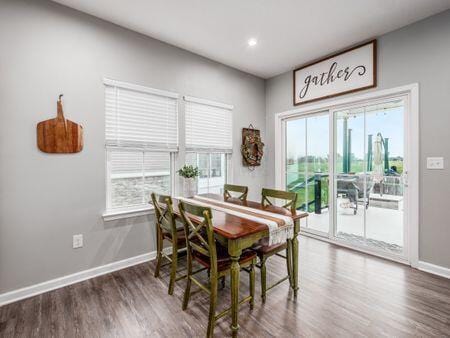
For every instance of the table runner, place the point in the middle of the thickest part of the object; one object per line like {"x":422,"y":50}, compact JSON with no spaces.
{"x":281,"y":227}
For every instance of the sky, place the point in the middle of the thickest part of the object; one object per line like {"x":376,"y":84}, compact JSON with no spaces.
{"x":388,"y":121}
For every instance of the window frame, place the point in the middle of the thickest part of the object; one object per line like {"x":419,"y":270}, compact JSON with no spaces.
{"x":141,"y":209}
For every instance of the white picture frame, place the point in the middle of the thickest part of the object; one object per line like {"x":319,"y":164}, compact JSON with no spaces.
{"x":348,"y":71}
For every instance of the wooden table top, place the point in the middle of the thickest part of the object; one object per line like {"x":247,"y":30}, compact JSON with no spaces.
{"x":233,"y":227}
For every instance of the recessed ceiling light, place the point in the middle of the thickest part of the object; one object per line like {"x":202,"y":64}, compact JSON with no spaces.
{"x":252,"y":42}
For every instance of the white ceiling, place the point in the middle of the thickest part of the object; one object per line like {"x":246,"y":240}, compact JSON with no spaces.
{"x":289,"y":32}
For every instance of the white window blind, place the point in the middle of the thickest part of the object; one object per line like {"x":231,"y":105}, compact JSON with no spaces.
{"x":141,"y":163}
{"x":208,"y":125}
{"x":140,"y":117}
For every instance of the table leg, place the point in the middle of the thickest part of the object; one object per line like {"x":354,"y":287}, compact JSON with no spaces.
{"x":235,"y":271}
{"x":294,"y":243}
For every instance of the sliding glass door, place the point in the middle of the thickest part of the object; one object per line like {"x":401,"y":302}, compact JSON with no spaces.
{"x":347,"y":166}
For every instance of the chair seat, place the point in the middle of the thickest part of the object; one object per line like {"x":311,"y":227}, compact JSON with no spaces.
{"x":181,"y":237}
{"x":262,"y":248}
{"x":223,"y":259}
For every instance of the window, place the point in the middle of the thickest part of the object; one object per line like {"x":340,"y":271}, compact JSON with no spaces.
{"x":213,"y":171}
{"x":209,"y":141}
{"x":141,"y":138}
{"x":216,"y":165}
{"x":133,"y":175}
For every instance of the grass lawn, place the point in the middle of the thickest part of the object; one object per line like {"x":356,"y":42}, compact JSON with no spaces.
{"x":298,"y":173}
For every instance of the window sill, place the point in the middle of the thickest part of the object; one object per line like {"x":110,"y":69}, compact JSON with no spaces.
{"x":112,"y":215}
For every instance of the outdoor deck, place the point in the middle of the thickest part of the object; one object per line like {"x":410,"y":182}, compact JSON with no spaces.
{"x":384,"y":222}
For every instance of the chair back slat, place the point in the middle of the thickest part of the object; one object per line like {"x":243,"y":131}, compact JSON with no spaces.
{"x":199,"y":248}
{"x":165,"y":217}
{"x":199,"y":236}
{"x":228,"y":188}
{"x":288,"y":196}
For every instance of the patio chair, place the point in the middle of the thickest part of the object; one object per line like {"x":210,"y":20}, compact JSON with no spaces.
{"x":352,"y":186}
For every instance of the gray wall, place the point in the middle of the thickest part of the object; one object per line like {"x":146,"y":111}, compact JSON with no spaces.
{"x":47,"y":49}
{"x":417,"y":53}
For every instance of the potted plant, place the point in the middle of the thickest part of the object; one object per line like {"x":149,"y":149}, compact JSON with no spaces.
{"x":189,"y":174}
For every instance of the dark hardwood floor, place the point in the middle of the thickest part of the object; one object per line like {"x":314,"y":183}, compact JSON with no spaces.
{"x":342,"y":293}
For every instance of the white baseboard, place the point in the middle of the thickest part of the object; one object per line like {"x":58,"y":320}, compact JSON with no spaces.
{"x":434,"y":269}
{"x":33,"y":290}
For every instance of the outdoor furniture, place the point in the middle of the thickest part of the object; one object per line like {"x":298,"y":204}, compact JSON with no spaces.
{"x":167,"y":228}
{"x":264,"y":250}
{"x":202,"y":247}
{"x":391,"y":184}
{"x":228,"y":188}
{"x":355,"y":187}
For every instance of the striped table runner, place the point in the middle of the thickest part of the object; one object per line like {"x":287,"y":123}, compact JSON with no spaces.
{"x":280,"y":227}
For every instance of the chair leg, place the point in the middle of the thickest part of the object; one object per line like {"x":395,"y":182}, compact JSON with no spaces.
{"x":222,"y":282}
{"x":187,"y":291}
{"x":263,"y":279}
{"x":289,"y":261}
{"x":252,"y":284}
{"x":158,"y":251}
{"x":212,"y":305}
{"x":173,"y":271}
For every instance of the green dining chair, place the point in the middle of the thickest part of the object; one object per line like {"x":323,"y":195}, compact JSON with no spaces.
{"x":202,"y":248}
{"x":228,"y":188}
{"x":168,"y":228}
{"x":264,"y":250}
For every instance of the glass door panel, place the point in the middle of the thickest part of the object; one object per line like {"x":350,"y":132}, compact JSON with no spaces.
{"x":349,"y":173}
{"x":307,"y":169}
{"x":369,"y":153}
{"x":295,"y":160}
{"x":385,"y":153}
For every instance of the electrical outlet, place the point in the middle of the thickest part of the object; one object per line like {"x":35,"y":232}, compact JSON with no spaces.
{"x":77,"y":241}
{"x":435,"y":163}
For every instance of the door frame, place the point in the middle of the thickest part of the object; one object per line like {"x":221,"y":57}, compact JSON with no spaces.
{"x":411,"y":94}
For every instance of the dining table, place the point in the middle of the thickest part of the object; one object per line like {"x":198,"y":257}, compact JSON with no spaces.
{"x":237,"y":234}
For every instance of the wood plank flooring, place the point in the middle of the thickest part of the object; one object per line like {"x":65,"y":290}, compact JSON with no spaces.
{"x":342,"y":293}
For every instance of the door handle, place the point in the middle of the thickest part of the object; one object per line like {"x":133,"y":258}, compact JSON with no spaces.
{"x":405,"y":179}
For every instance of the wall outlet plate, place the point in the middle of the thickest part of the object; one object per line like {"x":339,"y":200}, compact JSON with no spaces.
{"x":77,"y":241}
{"x":435,"y":163}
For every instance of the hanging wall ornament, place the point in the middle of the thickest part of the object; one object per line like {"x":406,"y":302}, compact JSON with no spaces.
{"x":252,"y":147}
{"x":59,"y":135}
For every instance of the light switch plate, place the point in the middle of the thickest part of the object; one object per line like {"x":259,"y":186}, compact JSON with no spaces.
{"x":77,"y":241}
{"x":435,"y":163}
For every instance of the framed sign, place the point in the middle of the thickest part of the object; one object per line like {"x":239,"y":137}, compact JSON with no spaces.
{"x":345,"y":72}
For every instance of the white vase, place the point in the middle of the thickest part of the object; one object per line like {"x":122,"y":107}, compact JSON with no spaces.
{"x":190,"y":187}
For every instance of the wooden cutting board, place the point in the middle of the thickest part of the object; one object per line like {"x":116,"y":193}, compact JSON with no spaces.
{"x":59,"y":135}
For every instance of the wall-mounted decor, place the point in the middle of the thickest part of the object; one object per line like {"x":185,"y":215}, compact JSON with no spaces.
{"x":59,"y":135}
{"x":252,"y":147}
{"x":348,"y":71}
